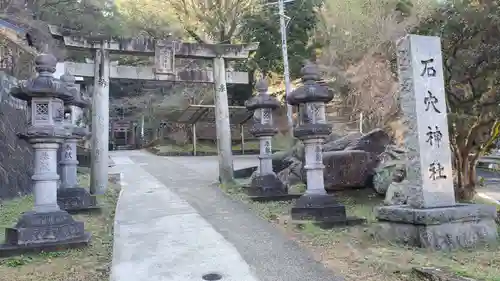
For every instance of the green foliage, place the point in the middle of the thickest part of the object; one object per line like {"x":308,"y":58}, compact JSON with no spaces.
{"x":90,"y":17}
{"x":149,"y":18}
{"x":264,"y":27}
{"x":405,"y":7}
{"x":16,"y":261}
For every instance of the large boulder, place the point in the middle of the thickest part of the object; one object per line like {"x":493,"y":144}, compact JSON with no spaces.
{"x":383,"y":178}
{"x":391,"y":162}
{"x":397,"y":193}
{"x":279,"y":160}
{"x":333,"y":137}
{"x":283,"y":159}
{"x":293,"y":174}
{"x":347,"y":169}
{"x":398,"y":190}
{"x":350,"y":160}
{"x":341,"y":143}
{"x":374,"y":142}
{"x":384,"y":175}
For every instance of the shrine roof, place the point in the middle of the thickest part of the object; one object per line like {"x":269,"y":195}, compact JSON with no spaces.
{"x":206,"y":113}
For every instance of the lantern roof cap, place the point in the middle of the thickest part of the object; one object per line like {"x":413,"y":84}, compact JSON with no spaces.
{"x":262,"y":99}
{"x":312,"y":89}
{"x":73,"y":89}
{"x":43,"y":84}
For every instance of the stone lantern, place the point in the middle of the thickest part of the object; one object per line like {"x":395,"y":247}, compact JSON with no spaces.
{"x":46,"y":226}
{"x":312,"y":130}
{"x":266,"y":183}
{"x":70,"y":196}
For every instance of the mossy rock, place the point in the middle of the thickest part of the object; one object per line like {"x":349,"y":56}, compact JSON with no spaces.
{"x":384,"y":175}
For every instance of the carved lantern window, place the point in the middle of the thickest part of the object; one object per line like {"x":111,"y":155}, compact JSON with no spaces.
{"x":41,"y":111}
{"x":266,"y":116}
{"x":68,"y":115}
{"x":47,"y":112}
{"x":312,"y":113}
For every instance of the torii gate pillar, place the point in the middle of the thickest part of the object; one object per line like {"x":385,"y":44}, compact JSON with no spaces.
{"x":100,"y":123}
{"x":223,"y":128}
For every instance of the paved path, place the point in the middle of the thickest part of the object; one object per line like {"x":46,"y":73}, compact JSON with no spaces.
{"x":491,"y":188}
{"x":174,"y":224}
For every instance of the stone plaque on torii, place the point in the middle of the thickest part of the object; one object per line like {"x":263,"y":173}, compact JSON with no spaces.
{"x":165,"y":52}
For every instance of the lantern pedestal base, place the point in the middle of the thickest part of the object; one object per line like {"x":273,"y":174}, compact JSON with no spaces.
{"x":47,"y":231}
{"x":323,"y":209}
{"x":269,"y":188}
{"x":76,"y":199}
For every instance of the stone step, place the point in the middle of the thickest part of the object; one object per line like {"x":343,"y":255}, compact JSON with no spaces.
{"x":124,"y":147}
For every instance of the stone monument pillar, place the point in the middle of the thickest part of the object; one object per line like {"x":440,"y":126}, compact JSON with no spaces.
{"x":312,"y":130}
{"x":432,"y":218}
{"x":47,"y":226}
{"x":266,"y":183}
{"x":70,"y":196}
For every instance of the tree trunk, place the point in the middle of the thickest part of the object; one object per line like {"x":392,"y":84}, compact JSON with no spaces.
{"x":465,"y":167}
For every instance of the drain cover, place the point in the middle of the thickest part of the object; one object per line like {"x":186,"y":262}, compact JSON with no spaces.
{"x":212,"y":277}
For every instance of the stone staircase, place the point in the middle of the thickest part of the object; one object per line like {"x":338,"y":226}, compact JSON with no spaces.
{"x":125,"y":147}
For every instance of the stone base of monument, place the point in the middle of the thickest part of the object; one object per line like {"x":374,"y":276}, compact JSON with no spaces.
{"x":324,"y":210}
{"x":47,"y":231}
{"x":445,"y":228}
{"x":269,"y":188}
{"x":76,"y":199}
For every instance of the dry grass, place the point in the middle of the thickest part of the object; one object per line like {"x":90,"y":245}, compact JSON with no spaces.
{"x":354,"y":254}
{"x":87,"y":264}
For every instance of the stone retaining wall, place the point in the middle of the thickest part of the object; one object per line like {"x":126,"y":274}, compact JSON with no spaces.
{"x":15,"y":155}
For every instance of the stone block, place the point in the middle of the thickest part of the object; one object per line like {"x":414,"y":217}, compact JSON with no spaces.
{"x":347,"y":169}
{"x":268,"y":188}
{"x":442,"y":228}
{"x":41,"y":228}
{"x":318,"y":207}
{"x":74,"y":199}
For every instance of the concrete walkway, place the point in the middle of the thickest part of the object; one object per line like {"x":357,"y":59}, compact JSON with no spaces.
{"x":491,"y":188}
{"x":173,"y":224}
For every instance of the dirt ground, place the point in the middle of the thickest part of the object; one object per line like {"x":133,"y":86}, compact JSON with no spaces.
{"x":87,"y":264}
{"x":355,"y":254}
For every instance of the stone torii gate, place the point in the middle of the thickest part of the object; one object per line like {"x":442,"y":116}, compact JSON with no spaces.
{"x":164,"y":52}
